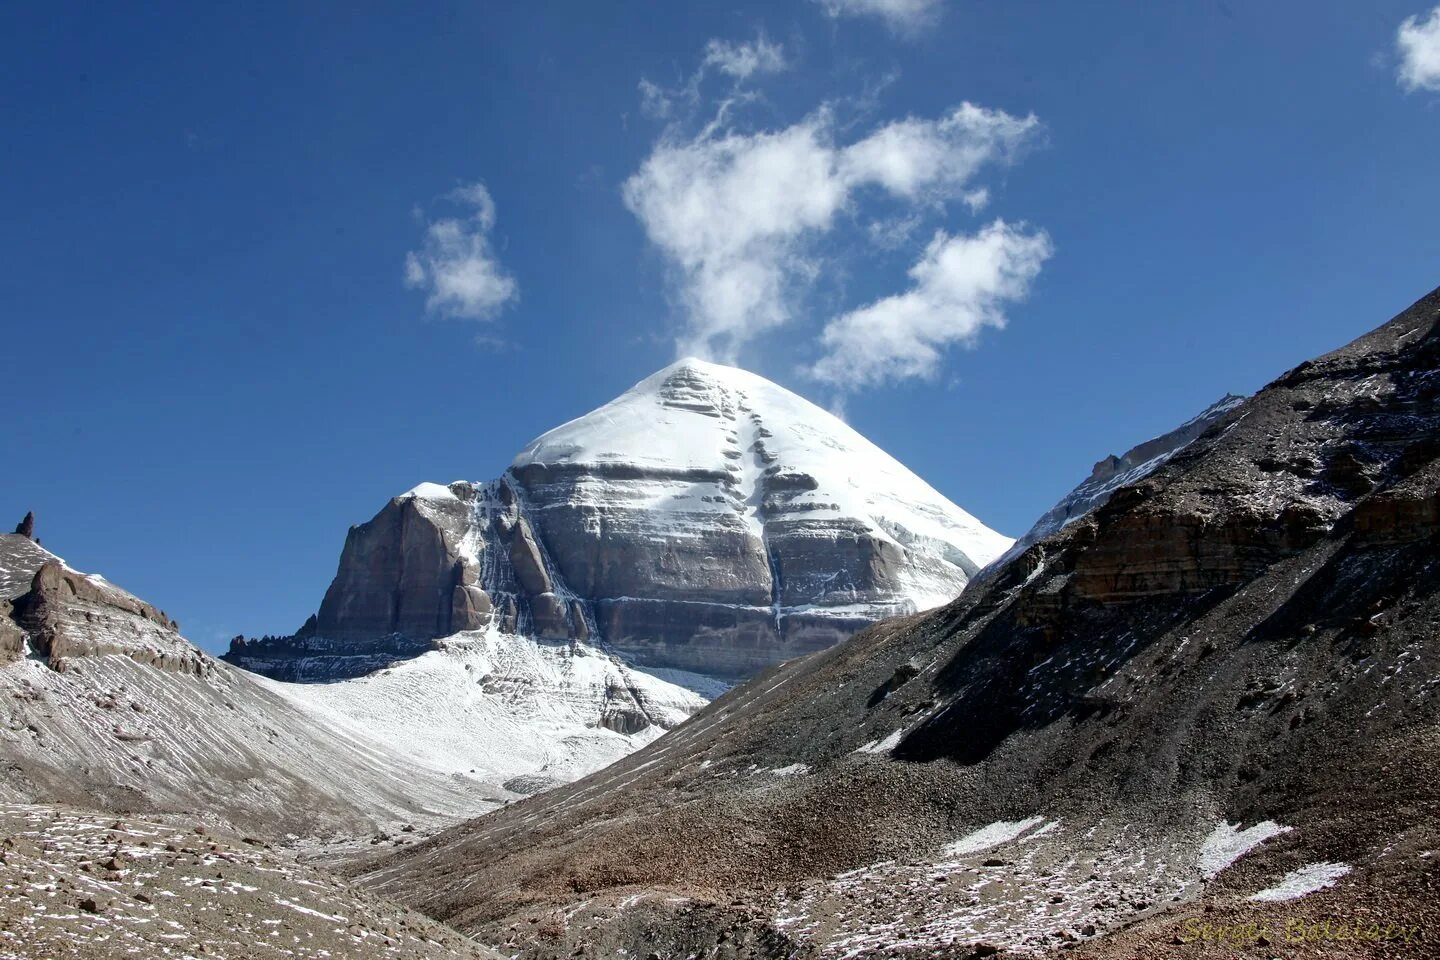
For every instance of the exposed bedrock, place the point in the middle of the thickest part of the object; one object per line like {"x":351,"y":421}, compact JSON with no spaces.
{"x":63,"y":615}
{"x":26,"y":527}
{"x":398,"y":572}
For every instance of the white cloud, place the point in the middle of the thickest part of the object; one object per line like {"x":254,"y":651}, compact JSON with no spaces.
{"x":905,"y":16}
{"x":960,"y":286}
{"x":739,"y":61}
{"x":736,"y":215}
{"x":1418,"y":42}
{"x":655,"y":100}
{"x":456,"y":265}
{"x":742,"y":60}
{"x":910,"y":157}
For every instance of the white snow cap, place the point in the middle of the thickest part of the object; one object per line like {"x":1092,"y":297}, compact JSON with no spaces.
{"x":697,"y":415}
{"x":431,"y":491}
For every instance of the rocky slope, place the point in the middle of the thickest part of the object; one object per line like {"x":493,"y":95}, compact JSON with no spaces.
{"x":706,"y":520}
{"x":1208,"y":703}
{"x":87,"y":886}
{"x":104,"y":704}
{"x":1114,"y":472}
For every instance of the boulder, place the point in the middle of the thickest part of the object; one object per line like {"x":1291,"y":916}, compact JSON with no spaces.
{"x":470,"y":608}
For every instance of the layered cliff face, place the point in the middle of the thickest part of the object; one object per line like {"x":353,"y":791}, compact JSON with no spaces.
{"x":1210,"y":701}
{"x":528,"y":700}
{"x":1113,"y":473}
{"x":61,"y":614}
{"x":719,"y":523}
{"x":706,"y":520}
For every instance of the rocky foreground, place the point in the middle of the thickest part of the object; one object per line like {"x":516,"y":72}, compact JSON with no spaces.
{"x":1212,"y":702}
{"x":89,"y":886}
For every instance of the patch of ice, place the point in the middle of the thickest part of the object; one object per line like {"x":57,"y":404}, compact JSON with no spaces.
{"x":882,"y":746}
{"x":1228,"y":843}
{"x":1299,"y":883}
{"x":992,"y":835}
{"x":334,"y":918}
{"x":791,"y":769}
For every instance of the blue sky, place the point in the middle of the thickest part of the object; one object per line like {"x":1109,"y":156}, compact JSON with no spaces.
{"x":266,"y":265}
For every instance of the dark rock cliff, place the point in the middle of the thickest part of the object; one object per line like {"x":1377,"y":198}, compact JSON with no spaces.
{"x":434,"y":562}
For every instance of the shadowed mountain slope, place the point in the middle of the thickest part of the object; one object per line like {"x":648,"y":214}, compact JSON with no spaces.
{"x":1216,"y":691}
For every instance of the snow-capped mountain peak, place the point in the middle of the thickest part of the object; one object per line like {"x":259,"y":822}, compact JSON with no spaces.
{"x":773,"y":456}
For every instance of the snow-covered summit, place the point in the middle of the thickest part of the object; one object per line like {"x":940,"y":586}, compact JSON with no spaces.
{"x":699,"y":421}
{"x":705,"y":520}
{"x":701,"y":527}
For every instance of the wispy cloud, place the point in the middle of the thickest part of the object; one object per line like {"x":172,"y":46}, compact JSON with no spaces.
{"x":740,"y":61}
{"x":1418,"y":43}
{"x":456,"y":264}
{"x":903,"y":16}
{"x":738,"y":215}
{"x":960,"y":285}
{"x":743,"y":60}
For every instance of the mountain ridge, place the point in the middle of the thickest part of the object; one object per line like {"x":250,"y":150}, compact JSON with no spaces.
{"x":1213,"y":694}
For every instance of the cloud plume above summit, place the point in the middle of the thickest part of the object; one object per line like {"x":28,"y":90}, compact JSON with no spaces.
{"x":741,"y":217}
{"x":456,"y":264}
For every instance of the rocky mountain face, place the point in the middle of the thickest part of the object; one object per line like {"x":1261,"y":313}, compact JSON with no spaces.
{"x":66,"y":614}
{"x":1114,"y":472}
{"x":706,"y":520}
{"x":104,"y":704}
{"x":1208,"y":705}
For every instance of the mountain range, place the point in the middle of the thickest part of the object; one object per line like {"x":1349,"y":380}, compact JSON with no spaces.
{"x":1193,"y":707}
{"x":1206,"y":707}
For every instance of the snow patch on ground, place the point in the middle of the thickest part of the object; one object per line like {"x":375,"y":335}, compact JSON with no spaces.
{"x":1001,"y":831}
{"x":1228,"y":843}
{"x":882,"y":746}
{"x":501,"y":708}
{"x":706,"y":687}
{"x":1299,"y":883}
{"x":1028,"y":886}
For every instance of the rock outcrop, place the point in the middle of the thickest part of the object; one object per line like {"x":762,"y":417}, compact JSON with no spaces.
{"x":1113,"y":473}
{"x":68,"y":615}
{"x":1213,"y":699}
{"x":26,"y":527}
{"x":705,"y":520}
{"x":65,"y":614}
{"x":104,"y":704}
